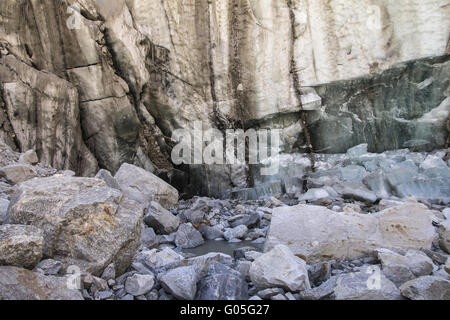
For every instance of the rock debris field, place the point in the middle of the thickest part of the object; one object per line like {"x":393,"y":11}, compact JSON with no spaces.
{"x":365,"y":226}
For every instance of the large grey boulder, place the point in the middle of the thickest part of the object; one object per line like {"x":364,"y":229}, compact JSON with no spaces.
{"x":188,"y":237}
{"x":447,"y":266}
{"x":20,"y":246}
{"x":3,"y":210}
{"x":403,"y":268}
{"x":84,"y":222}
{"x":181,"y":282}
{"x":280,"y":268}
{"x":318,"y":234}
{"x":16,"y":173}
{"x":160,"y":219}
{"x":143,"y":186}
{"x":367,"y":284}
{"x":427,"y":288}
{"x":21,"y":284}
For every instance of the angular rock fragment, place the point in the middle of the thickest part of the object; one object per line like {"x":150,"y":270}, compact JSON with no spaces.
{"x":188,"y":237}
{"x":143,"y":186}
{"x":280,"y":268}
{"x":427,"y":288}
{"x":16,"y":173}
{"x":20,"y":246}
{"x":368,"y":284}
{"x":21,"y":284}
{"x":160,"y":219}
{"x":181,"y":282}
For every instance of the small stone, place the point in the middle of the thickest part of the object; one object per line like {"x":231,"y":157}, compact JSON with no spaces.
{"x":279,"y":297}
{"x":103,"y":295}
{"x":109,"y":273}
{"x":138,"y":285}
{"x":267,"y":294}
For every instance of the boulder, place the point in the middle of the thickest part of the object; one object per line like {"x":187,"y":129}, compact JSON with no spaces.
{"x":29,"y":157}
{"x":444,"y":235}
{"x":21,"y":284}
{"x":84,"y":222}
{"x":222,"y":283}
{"x":156,"y":259}
{"x":20,"y":246}
{"x":202,"y":263}
{"x":403,"y":268}
{"x":3,"y":210}
{"x":181,"y":282}
{"x":16,"y":173}
{"x":318,"y":234}
{"x":143,"y":186}
{"x":250,"y":221}
{"x":160,"y":219}
{"x":426,"y":288}
{"x":367,"y":284}
{"x":280,"y":268}
{"x":138,"y":285}
{"x":235,"y":233}
{"x":211,"y":233}
{"x":188,"y":237}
